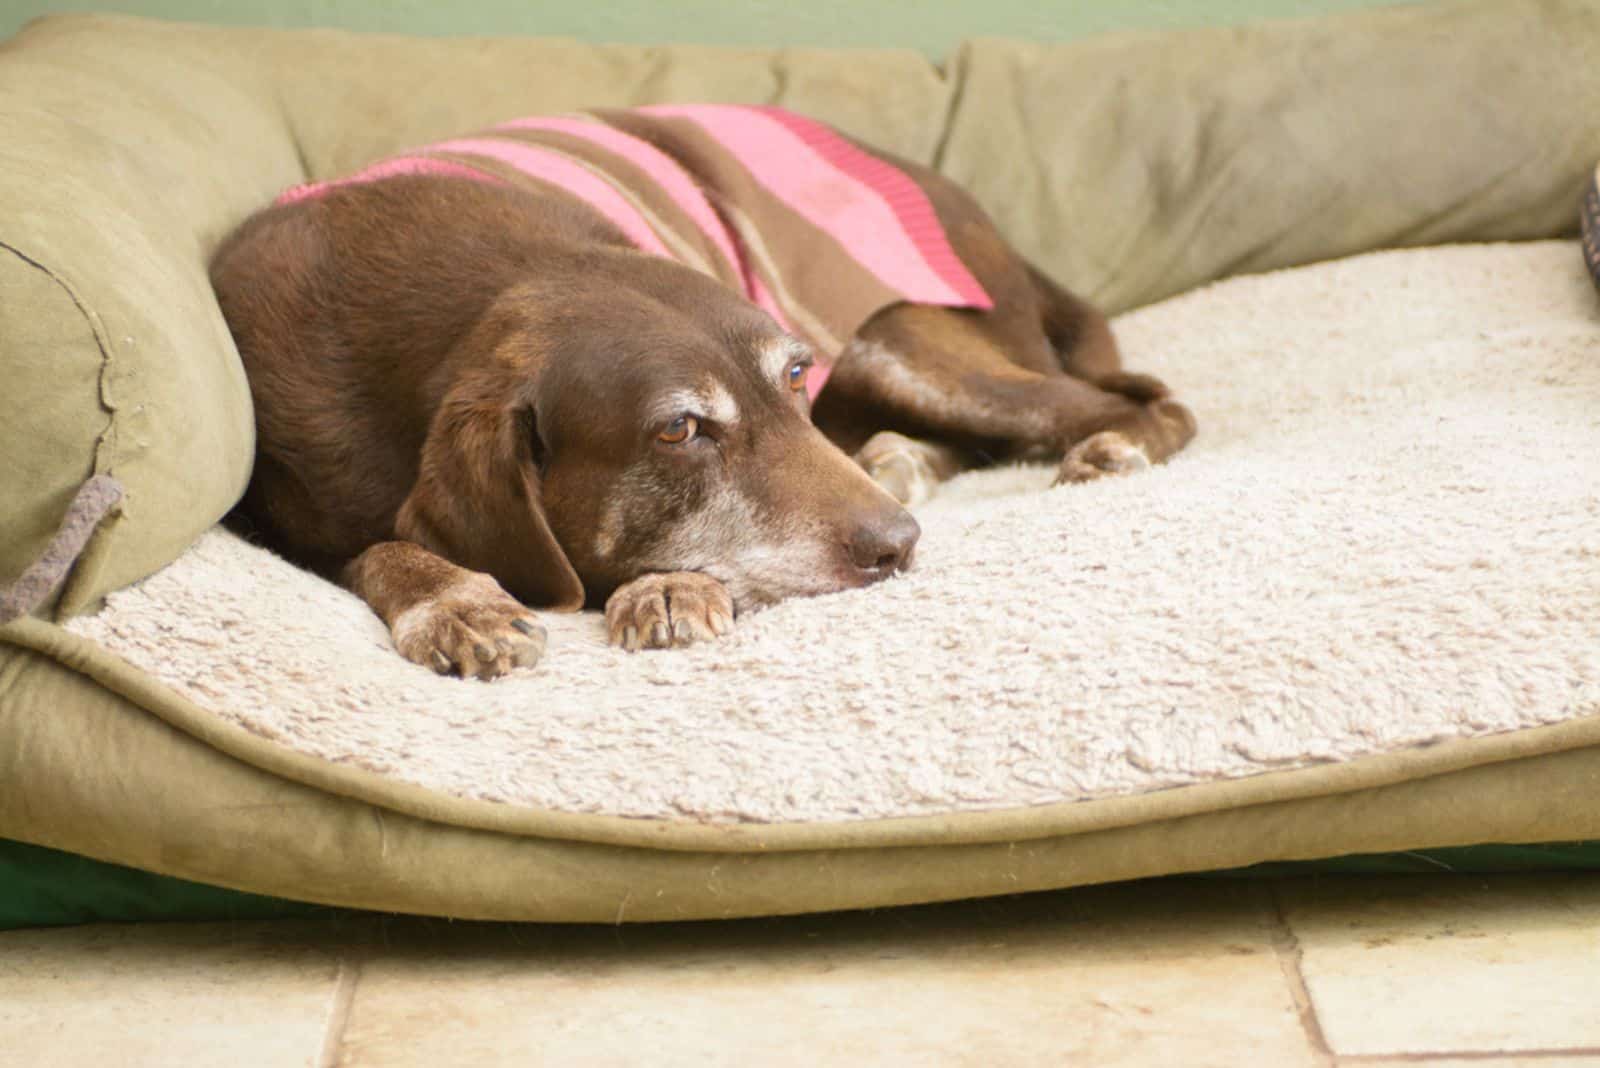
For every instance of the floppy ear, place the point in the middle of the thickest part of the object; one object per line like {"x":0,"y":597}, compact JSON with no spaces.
{"x":477,"y":499}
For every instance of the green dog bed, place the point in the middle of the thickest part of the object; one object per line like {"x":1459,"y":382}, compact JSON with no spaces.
{"x":1357,"y":618}
{"x":45,"y":887}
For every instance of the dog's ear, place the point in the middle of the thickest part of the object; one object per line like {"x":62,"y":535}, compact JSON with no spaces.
{"x":477,"y":499}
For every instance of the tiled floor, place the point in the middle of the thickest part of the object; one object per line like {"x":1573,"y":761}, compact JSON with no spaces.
{"x":1453,"y":969}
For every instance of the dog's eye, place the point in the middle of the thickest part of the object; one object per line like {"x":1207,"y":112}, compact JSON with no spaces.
{"x":680,"y":430}
{"x":797,"y":375}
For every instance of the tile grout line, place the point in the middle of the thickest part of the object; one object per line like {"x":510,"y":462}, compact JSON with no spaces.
{"x":1493,"y":1056}
{"x":1286,"y":946}
{"x":344,"y":994}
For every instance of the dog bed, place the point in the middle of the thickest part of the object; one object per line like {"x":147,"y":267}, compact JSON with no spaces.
{"x":1380,"y":560}
{"x":1359,"y":615}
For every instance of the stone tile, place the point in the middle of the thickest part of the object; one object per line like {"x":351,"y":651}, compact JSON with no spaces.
{"x":166,"y":994}
{"x":1176,"y":972}
{"x":1454,"y":964}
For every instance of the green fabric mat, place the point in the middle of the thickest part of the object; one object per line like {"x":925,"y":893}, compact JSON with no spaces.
{"x":45,"y":887}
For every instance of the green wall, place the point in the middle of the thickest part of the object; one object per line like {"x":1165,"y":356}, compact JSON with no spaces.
{"x":931,"y":25}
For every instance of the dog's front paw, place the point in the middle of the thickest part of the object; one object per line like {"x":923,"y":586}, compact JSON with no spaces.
{"x":666,"y":610}
{"x":472,"y":628}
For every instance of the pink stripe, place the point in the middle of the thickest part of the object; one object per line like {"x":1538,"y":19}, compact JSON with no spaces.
{"x":903,"y":195}
{"x":559,"y":171}
{"x":676,"y":182}
{"x":852,"y":212}
{"x":389,"y":168}
{"x":662,"y":169}
{"x":817,"y":378}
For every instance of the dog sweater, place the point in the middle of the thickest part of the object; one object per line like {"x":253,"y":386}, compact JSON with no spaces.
{"x":803,"y":222}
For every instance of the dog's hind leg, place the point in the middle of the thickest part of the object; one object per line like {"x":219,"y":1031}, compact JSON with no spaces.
{"x":1081,"y":340}
{"x":932,"y":374}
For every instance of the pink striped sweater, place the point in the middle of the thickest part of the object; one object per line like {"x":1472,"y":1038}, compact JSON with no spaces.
{"x":801,"y":221}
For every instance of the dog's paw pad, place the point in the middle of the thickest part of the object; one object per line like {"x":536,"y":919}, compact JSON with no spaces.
{"x":904,"y":477}
{"x":903,"y":467}
{"x":473,"y":628}
{"x":1100,"y":455}
{"x":663,"y":611}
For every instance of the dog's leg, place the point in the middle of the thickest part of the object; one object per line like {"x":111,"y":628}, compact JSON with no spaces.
{"x":1078,"y":334}
{"x":1081,"y":341}
{"x":931,"y":373}
{"x":455,"y":621}
{"x":1038,"y":374}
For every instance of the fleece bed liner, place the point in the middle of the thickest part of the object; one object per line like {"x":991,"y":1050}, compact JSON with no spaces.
{"x":1360,"y":614}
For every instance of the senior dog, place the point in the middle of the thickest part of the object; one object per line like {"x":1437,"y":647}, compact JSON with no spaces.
{"x":679,"y":361}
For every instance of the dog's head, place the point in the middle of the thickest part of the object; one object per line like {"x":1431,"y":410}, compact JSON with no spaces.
{"x":645,"y":420}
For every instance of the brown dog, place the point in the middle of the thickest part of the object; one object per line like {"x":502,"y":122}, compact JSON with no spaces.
{"x":475,"y":393}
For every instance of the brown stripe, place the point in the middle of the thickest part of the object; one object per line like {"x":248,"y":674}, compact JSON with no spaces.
{"x":683,"y":253}
{"x":516,"y":178}
{"x":671,"y":223}
{"x":689,"y":256}
{"x":762,"y":261}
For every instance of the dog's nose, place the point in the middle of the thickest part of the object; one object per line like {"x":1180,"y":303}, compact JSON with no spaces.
{"x":882,"y":545}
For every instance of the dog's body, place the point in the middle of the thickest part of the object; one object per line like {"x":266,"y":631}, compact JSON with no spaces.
{"x":473,"y":396}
